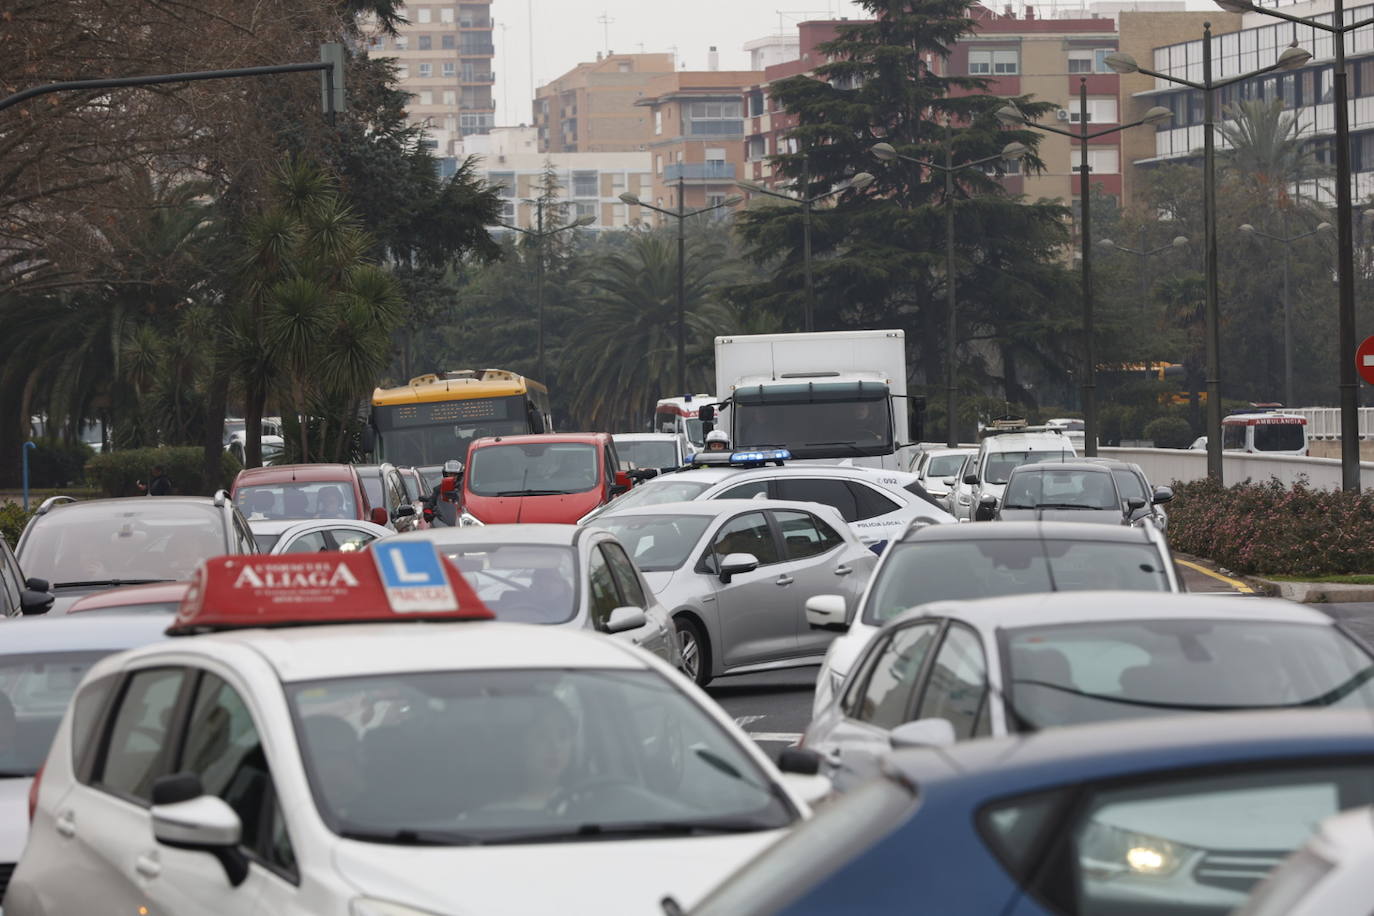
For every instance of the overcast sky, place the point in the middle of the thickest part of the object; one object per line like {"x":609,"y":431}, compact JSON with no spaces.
{"x":567,"y":32}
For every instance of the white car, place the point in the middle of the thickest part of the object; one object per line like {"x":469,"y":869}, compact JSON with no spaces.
{"x":964,"y":562}
{"x":939,"y":471}
{"x":1329,"y":876}
{"x":419,"y":766}
{"x":659,"y":451}
{"x":277,"y":536}
{"x":558,"y":575}
{"x":1000,"y":452}
{"x":877,"y":504}
{"x":43,"y":660}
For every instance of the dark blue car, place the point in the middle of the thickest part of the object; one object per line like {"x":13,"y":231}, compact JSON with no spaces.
{"x":1150,"y":817}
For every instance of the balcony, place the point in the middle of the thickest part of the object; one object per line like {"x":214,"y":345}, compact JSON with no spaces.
{"x":479,"y":78}
{"x":476,"y":49}
{"x":700,"y":171}
{"x":474,"y":23}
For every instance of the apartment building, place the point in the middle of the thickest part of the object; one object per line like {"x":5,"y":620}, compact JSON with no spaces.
{"x":697,"y":136}
{"x":591,"y":108}
{"x":444,"y":57}
{"x":590,"y":183}
{"x":1242,"y":43}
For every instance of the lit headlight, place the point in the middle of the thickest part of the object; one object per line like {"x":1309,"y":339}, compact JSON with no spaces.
{"x":1107,"y":851}
{"x":465,"y":520}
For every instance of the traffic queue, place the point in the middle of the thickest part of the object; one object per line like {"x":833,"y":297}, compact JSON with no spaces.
{"x":311,"y":694}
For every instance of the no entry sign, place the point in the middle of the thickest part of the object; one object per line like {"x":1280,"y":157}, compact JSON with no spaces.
{"x":1364,"y":360}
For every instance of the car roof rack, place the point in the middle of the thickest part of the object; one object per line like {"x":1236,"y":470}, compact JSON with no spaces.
{"x":52,"y":502}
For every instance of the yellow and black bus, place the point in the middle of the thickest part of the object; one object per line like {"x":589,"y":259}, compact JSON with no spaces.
{"x":435,"y":417}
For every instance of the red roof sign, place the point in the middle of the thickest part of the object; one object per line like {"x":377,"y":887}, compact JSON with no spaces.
{"x":402,"y":581}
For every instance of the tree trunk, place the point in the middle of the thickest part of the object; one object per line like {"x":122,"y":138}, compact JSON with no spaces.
{"x":216,"y":405}
{"x":254,"y":399}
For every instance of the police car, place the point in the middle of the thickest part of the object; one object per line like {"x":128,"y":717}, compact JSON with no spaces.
{"x":350,"y":733}
{"x":876,"y":503}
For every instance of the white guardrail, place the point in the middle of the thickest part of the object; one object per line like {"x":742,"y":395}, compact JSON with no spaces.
{"x":1163,"y":465}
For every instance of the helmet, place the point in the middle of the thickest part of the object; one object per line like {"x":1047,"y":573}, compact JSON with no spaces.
{"x":718,"y":435}
{"x":453,"y":467}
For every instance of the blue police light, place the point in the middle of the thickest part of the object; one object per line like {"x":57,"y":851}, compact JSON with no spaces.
{"x":755,"y":456}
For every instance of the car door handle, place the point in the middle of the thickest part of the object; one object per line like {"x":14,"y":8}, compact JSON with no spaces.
{"x":783,"y":580}
{"x":842,"y":570}
{"x":66,"y":824}
{"x":148,"y":866}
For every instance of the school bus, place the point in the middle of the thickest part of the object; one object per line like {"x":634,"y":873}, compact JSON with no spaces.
{"x":435,"y":417}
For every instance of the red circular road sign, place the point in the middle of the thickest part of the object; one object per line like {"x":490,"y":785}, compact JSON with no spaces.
{"x":1364,"y":360}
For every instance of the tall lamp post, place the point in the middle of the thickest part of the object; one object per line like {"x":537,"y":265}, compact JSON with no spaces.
{"x":1179,"y":241}
{"x":888,"y":153}
{"x":857,"y":183}
{"x":540,"y":234}
{"x":1010,"y":114}
{"x":681,"y":214}
{"x":1290,"y":59}
{"x":1286,"y":241}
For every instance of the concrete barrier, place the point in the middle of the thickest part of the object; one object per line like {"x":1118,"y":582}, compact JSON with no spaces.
{"x":1163,"y":465}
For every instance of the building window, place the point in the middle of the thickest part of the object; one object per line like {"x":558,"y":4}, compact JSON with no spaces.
{"x":450,"y":97}
{"x":585,"y":184}
{"x":508,"y":212}
{"x":755,"y":103}
{"x":617,"y":183}
{"x":1100,"y":111}
{"x":402,"y":42}
{"x":1080,"y":61}
{"x":585,"y":208}
{"x":426,"y":71}
{"x":979,"y":62}
{"x":426,"y":97}
{"x":503,"y":182}
{"x":425,"y":42}
{"x":403,"y":71}
{"x":376,"y":43}
{"x":450,"y":68}
{"x":658,"y":122}
{"x":1005,"y":63}
{"x":715,"y":118}
{"x":422,"y":14}
{"x":1101,"y":161}
{"x":446,"y":15}
{"x":658,"y":164}
{"x":448,"y":42}
{"x":755,"y":148}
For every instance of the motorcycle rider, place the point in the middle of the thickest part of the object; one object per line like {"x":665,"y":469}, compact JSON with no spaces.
{"x":443,"y":499}
{"x":717,"y":440}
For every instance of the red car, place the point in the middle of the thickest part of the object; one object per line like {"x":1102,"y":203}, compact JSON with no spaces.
{"x":550,"y":477}
{"x":285,"y":491}
{"x":158,"y":598}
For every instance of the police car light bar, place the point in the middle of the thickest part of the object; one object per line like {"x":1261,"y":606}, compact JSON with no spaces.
{"x":756,"y":455}
{"x":389,"y":582}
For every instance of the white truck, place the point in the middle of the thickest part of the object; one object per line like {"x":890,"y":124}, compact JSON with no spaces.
{"x":829,"y":395}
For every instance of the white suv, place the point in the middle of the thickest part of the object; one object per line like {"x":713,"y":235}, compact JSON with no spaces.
{"x":998,"y":454}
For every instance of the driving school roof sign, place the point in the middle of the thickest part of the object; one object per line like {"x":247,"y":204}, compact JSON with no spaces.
{"x":402,"y":581}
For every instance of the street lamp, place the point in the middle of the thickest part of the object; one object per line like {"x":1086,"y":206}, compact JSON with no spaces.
{"x":857,"y":183}
{"x":1179,"y":241}
{"x":1010,"y":114}
{"x":1290,"y":59}
{"x":539,"y":234}
{"x":681,"y":214}
{"x":1286,"y":241}
{"x":887,"y":153}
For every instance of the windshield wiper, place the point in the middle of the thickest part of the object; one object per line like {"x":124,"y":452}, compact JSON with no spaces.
{"x":1330,"y":698}
{"x":1070,"y":506}
{"x":534,"y":492}
{"x":411,"y":837}
{"x":594,"y":831}
{"x":109,"y":582}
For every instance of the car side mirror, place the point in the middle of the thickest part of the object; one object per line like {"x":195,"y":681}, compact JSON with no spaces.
{"x":971,"y":479}
{"x":642,"y":473}
{"x":401,"y":512}
{"x":826,"y":612}
{"x":625,"y":618}
{"x":922,"y":733}
{"x":379,"y":516}
{"x":735,"y":563}
{"x":800,"y":760}
{"x":32,"y":601}
{"x":618,"y":489}
{"x":1162,"y":495}
{"x":707,"y":413}
{"x":1135,"y":504}
{"x":43,"y":585}
{"x":184,"y":817}
{"x":987,"y":508}
{"x":368,"y":440}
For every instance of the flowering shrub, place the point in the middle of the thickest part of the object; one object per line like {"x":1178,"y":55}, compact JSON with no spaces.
{"x":1268,"y":528}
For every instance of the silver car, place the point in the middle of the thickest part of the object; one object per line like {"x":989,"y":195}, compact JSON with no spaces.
{"x":562,"y":575}
{"x":735,"y":575}
{"x":41,"y":663}
{"x":939,"y":471}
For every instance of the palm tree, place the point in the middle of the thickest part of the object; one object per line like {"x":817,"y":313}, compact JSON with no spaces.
{"x":622,"y":355}
{"x":1266,"y":143}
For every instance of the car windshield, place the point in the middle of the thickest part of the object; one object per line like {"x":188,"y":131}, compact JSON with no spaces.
{"x":1000,"y":464}
{"x":129,"y":540}
{"x":533,"y":469}
{"x":319,"y":499}
{"x":657,"y":542}
{"x":959,"y":570}
{"x":647,"y":453}
{"x":1069,"y":674}
{"x":1129,"y":485}
{"x":1030,"y":488}
{"x":34,"y":692}
{"x":523,"y":583}
{"x":816,"y":429}
{"x":944,"y":466}
{"x":657,"y":492}
{"x":528,"y":756}
{"x":1280,"y":437}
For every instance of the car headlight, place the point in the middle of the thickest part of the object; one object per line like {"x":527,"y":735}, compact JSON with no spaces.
{"x":367,"y":906}
{"x":1106,"y":851}
{"x":467,"y":520}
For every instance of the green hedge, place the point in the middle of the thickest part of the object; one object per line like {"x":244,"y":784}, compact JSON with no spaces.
{"x":1169,"y":432}
{"x":13,"y":518}
{"x":117,"y":473}
{"x":55,"y":464}
{"x":1267,"y":528}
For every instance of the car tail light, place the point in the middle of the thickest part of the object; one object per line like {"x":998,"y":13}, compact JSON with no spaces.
{"x":33,"y":792}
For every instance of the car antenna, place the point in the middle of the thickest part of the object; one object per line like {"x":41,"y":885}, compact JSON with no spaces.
{"x":520,"y":509}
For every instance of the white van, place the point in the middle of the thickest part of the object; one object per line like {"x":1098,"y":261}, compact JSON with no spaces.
{"x":1001,"y":451}
{"x":1264,"y":433}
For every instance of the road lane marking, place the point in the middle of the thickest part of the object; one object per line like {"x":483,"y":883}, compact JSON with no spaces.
{"x":742,"y":721}
{"x":1234,"y":583}
{"x":776,"y":737}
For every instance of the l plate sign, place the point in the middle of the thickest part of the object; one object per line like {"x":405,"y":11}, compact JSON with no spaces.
{"x":414,"y":577}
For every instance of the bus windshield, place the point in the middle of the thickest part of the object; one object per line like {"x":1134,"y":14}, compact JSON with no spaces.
{"x":431,"y":433}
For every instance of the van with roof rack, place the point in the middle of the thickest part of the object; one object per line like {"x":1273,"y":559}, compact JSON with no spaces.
{"x":1004,"y":449}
